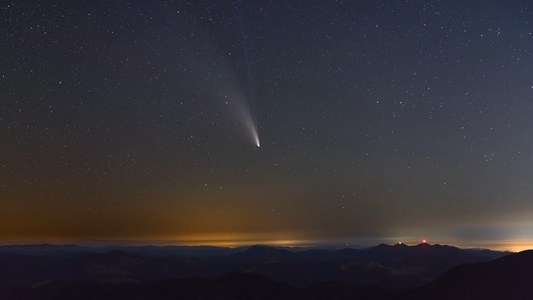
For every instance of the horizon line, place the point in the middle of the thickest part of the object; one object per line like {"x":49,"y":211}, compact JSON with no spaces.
{"x":107,"y":243}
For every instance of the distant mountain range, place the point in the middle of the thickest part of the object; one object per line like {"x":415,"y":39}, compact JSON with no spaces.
{"x":259,"y":272}
{"x":509,"y":277}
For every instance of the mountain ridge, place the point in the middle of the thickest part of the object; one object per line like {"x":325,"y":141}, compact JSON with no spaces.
{"x":395,"y":267}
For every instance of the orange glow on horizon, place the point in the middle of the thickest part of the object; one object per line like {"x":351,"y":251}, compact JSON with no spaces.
{"x":248,"y":239}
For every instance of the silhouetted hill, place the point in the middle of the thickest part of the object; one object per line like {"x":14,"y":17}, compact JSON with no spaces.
{"x":81,"y":290}
{"x":260,"y":252}
{"x":115,"y":266}
{"x":509,"y":277}
{"x":395,"y":268}
{"x":401,"y":251}
{"x":234,"y":286}
{"x":343,"y":291}
{"x":61,"y":250}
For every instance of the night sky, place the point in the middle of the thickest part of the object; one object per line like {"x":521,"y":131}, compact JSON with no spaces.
{"x":378,"y":121}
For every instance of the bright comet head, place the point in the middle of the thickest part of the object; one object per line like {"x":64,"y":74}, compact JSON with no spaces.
{"x":256,"y":137}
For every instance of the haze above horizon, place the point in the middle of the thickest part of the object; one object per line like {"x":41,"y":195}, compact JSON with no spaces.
{"x":379,"y":121}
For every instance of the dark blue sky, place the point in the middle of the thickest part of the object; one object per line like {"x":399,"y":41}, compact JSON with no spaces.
{"x":378,"y":121}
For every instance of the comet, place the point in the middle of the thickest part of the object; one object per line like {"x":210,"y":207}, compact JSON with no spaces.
{"x":252,"y":130}
{"x":256,"y":137}
{"x":247,"y":62}
{"x":220,"y":83}
{"x":239,"y":108}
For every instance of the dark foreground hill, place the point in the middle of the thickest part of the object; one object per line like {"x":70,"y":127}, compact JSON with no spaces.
{"x":245,"y":286}
{"x":509,"y":277}
{"x":394,"y":267}
{"x":133,"y":273}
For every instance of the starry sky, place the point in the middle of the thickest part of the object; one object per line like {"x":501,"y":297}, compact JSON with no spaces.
{"x":139,"y":121}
